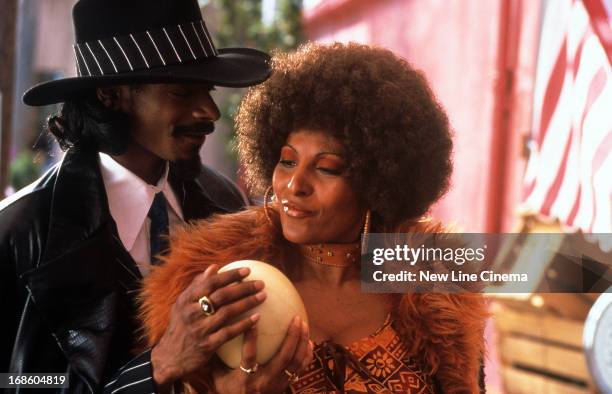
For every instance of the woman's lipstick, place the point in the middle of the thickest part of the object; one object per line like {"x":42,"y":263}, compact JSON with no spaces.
{"x":295,"y":211}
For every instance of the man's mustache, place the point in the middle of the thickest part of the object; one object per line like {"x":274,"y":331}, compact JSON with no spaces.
{"x":196,"y":128}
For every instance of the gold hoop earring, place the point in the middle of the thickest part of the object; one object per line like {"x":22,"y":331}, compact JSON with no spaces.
{"x":366,"y":232}
{"x":266,"y":206}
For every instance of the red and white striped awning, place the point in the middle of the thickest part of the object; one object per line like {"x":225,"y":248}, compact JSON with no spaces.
{"x":569,"y":173}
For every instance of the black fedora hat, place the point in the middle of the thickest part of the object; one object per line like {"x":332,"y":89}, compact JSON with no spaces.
{"x":148,"y":41}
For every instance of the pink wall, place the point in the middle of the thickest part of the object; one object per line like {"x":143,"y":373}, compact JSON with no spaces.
{"x":55,"y":38}
{"x":521,"y":59}
{"x":465,"y":49}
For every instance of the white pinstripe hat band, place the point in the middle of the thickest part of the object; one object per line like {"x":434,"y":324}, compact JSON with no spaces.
{"x":149,"y":49}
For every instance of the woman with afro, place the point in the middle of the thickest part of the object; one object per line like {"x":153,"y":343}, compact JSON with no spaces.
{"x":345,"y":139}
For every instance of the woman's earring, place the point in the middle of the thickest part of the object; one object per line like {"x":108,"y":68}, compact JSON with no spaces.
{"x":266,"y":206}
{"x":366,"y":232}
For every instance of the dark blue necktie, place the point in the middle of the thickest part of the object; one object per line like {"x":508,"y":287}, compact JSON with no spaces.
{"x":159,"y":227}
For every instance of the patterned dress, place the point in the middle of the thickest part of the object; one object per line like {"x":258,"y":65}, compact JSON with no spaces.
{"x":378,"y":363}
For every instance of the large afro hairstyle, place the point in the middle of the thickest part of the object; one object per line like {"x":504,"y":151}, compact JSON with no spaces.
{"x":396,"y":135}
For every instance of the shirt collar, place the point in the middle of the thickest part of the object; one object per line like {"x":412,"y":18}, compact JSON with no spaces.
{"x":130,"y":198}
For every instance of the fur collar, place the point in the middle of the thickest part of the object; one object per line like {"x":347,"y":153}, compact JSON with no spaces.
{"x":444,"y":331}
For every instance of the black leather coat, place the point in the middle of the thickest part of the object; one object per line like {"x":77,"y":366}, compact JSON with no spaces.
{"x":67,"y":284}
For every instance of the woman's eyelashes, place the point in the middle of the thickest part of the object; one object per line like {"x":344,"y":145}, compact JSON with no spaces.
{"x":286,"y":163}
{"x":331,"y":164}
{"x":325,"y":168}
{"x":330,"y":171}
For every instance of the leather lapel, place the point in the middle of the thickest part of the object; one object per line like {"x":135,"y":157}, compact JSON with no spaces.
{"x":79,"y":208}
{"x":79,"y":205}
{"x":85,"y":275}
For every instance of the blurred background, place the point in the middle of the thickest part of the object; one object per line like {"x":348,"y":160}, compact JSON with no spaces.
{"x":527,"y":85}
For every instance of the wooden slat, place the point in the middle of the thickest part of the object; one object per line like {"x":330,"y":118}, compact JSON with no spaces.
{"x":550,"y":358}
{"x":567,"y":305}
{"x":573,"y":306}
{"x":542,"y":326}
{"x":522,"y":382}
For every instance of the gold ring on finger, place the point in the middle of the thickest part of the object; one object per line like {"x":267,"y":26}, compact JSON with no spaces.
{"x":250,"y":371}
{"x":293,"y":376}
{"x":207,"y":306}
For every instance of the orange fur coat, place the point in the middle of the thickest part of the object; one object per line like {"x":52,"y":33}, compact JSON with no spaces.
{"x":443,"y":331}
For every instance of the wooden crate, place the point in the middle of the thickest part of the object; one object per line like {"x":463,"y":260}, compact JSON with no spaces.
{"x":540,"y":351}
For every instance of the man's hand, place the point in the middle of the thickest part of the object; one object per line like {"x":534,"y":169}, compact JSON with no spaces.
{"x":192,"y":338}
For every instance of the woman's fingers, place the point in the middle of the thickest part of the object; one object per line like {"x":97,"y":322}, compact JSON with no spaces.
{"x":275,"y":376}
{"x":249,"y":349}
{"x":287,"y":350}
{"x":302,"y":355}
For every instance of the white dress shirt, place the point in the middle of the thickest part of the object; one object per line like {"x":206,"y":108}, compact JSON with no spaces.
{"x":129,"y":200}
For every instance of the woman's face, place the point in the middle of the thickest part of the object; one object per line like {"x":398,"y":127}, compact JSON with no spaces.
{"x":317,"y":203}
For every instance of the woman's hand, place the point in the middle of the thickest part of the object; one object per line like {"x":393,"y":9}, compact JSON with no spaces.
{"x":192,"y":337}
{"x":275,"y":376}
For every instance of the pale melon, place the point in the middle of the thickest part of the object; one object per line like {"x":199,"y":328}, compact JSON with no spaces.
{"x":283,"y":302}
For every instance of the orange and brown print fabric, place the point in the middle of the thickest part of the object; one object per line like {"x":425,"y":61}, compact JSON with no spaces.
{"x":378,"y":363}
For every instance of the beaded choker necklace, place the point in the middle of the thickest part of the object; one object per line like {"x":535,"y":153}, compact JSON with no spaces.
{"x":335,"y":255}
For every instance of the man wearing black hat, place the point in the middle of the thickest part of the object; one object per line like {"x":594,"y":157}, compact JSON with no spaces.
{"x":75,"y":244}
